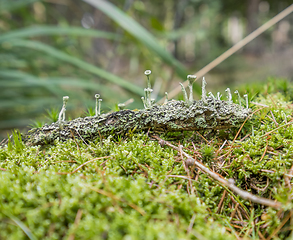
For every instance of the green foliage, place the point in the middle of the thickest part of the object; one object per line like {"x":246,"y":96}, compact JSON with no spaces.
{"x":53,"y":114}
{"x":37,"y":124}
{"x":207,"y":153}
{"x":132,"y":187}
{"x":18,"y":145}
{"x":126,"y":194}
{"x":139,"y":32}
{"x":90,"y":112}
{"x":272,"y":85}
{"x":42,"y":63}
{"x":6,"y":5}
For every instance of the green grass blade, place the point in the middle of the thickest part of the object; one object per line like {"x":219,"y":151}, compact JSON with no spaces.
{"x":55,"y":30}
{"x":13,"y":79}
{"x":24,"y":228}
{"x":10,"y":5}
{"x":139,"y":32}
{"x":38,"y":104}
{"x":77,"y":62}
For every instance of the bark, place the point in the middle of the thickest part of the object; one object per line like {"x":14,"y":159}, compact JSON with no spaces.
{"x":170,"y":117}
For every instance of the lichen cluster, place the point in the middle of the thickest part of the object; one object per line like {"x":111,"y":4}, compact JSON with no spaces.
{"x":170,"y":117}
{"x":188,"y":115}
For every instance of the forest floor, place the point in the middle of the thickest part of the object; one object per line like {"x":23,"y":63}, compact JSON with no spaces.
{"x":228,"y":184}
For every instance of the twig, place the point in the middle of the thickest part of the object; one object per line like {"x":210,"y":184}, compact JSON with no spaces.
{"x":280,"y":226}
{"x":228,"y":183}
{"x":241,"y":209}
{"x":221,"y":202}
{"x":116,"y":198}
{"x":5,"y":140}
{"x":265,"y":151}
{"x":234,"y":211}
{"x":74,"y":171}
{"x":277,"y":125}
{"x":288,"y":176}
{"x":234,"y":48}
{"x":260,"y":189}
{"x":186,"y":170}
{"x":268,"y":133}
{"x":245,"y":122}
{"x":237,"y":134}
{"x":222,"y":146}
{"x":259,"y":104}
{"x":191,"y":223}
{"x":76,"y":222}
{"x":202,"y":137}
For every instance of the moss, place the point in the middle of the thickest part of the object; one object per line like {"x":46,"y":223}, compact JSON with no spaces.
{"x":132,"y":187}
{"x":111,"y":193}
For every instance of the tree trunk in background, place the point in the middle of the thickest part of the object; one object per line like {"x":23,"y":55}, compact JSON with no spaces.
{"x":256,"y":46}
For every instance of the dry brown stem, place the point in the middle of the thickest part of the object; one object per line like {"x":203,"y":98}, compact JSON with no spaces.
{"x":74,"y":171}
{"x":234,"y":48}
{"x":227,"y":183}
{"x":116,"y":198}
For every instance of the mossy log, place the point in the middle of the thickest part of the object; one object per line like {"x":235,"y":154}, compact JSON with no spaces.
{"x":170,"y":117}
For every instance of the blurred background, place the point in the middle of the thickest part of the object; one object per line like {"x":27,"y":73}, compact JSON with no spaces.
{"x":53,"y":48}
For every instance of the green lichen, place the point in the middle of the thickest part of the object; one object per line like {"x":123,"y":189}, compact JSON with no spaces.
{"x":170,"y":117}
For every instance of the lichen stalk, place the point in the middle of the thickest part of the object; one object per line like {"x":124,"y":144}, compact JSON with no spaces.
{"x":191,"y":79}
{"x":246,"y":100}
{"x":166,"y":98}
{"x":99,"y":107}
{"x":97,"y":96}
{"x":63,"y":109}
{"x":147,"y":91}
{"x":184,"y":93}
{"x":239,"y":98}
{"x":121,"y":106}
{"x":229,"y":95}
{"x":203,"y":90}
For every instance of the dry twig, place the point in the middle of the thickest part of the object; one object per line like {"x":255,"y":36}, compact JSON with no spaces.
{"x":284,"y":125}
{"x":76,"y":222}
{"x":116,"y":198}
{"x":234,"y":48}
{"x":74,"y":171}
{"x":227,"y":183}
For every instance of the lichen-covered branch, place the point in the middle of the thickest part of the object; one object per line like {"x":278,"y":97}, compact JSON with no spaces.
{"x":169,"y":117}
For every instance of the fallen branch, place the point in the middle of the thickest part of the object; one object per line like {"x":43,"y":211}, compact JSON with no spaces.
{"x":227,"y":183}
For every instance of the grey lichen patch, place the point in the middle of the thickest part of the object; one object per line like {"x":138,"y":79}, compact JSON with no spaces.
{"x":169,"y":117}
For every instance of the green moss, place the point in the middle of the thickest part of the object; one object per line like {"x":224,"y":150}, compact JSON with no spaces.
{"x":131,"y":188}
{"x":132,"y":181}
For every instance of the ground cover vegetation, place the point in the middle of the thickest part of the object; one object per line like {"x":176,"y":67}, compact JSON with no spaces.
{"x":135,"y":187}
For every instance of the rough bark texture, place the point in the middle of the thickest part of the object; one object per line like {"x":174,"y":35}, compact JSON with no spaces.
{"x":170,"y":117}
